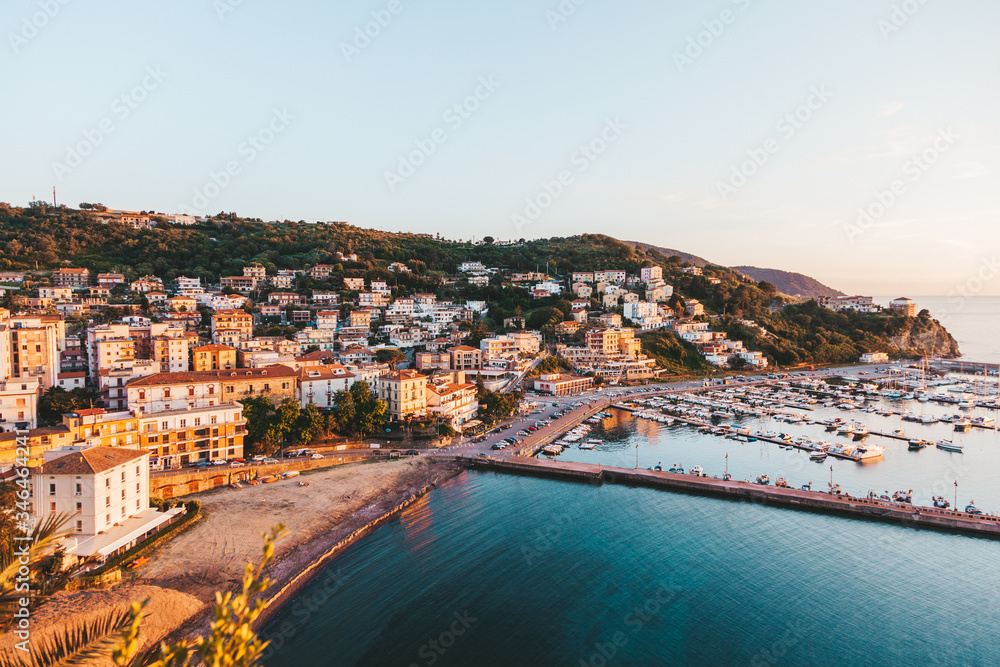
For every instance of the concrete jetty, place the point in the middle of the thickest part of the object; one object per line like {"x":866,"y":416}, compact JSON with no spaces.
{"x":843,"y":504}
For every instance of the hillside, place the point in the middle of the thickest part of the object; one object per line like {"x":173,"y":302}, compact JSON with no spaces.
{"x":787,"y":282}
{"x":687,"y":257}
{"x":39,"y":239}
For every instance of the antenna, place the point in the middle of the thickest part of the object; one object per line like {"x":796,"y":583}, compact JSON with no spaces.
{"x":54,"y":204}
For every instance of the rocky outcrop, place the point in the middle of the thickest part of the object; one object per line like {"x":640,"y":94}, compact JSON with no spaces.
{"x":924,"y":336}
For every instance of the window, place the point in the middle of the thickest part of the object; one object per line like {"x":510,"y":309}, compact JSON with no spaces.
{"x":214,"y":419}
{"x":123,"y":475}
{"x":79,"y":489}
{"x":79,"y":508}
{"x":107,"y":519}
{"x":166,"y":392}
{"x":142,"y":394}
{"x":107,"y":482}
{"x":184,"y":423}
{"x":137,"y":485}
{"x":197,"y":421}
{"x":123,"y":510}
{"x":123,"y":494}
{"x":267,"y":387}
{"x":52,"y":489}
{"x":107,"y":501}
{"x":211,"y":389}
{"x":137,"y":471}
{"x":52,"y":507}
{"x":190,"y":391}
{"x":165,"y":426}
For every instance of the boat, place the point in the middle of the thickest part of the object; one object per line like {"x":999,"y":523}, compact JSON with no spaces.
{"x":899,"y":433}
{"x":818,"y":456}
{"x":807,"y":487}
{"x":962,"y":424}
{"x":972,"y":509}
{"x":868,"y":451}
{"x":697,"y":471}
{"x":949,"y":446}
{"x":290,"y":473}
{"x":917,"y":445}
{"x":903,"y":496}
{"x":763,"y":480}
{"x":677,"y":470}
{"x":941,"y":503}
{"x":781,"y":482}
{"x":726,"y":477}
{"x":835,"y":489}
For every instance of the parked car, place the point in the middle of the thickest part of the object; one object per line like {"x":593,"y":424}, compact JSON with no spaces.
{"x":412,"y":452}
{"x":219,"y":462}
{"x":268,"y":459}
{"x":316,"y":456}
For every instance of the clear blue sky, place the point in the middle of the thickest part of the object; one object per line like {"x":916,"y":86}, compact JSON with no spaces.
{"x":882,"y":90}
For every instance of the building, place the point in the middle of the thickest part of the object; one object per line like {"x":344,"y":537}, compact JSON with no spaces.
{"x":231,"y":326}
{"x":18,"y":403}
{"x":146,"y":284}
{"x":404,"y":393}
{"x":648,"y":273}
{"x":213,"y":357}
{"x":557,"y":384}
{"x":258,"y":273}
{"x":360,"y":319}
{"x":615,"y":276}
{"x":176,"y":438}
{"x":241,"y":284}
{"x":178,"y":391}
{"x":693,"y":308}
{"x":56,"y":294}
{"x":861,"y":304}
{"x":284,"y":279}
{"x":452,"y":399}
{"x":187,"y":285}
{"x":71,"y":277}
{"x":583,"y":277}
{"x":320,"y":272}
{"x":904,"y":306}
{"x":471,"y":267}
{"x":318,"y":385}
{"x":30,"y":347}
{"x":327,"y":319}
{"x":462,"y":357}
{"x":874,"y":358}
{"x":354,"y":284}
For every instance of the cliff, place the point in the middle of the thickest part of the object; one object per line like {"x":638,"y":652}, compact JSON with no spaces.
{"x":923,"y":336}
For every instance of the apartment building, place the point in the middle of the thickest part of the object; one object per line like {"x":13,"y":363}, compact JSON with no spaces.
{"x":318,"y":385}
{"x":405,"y":394}
{"x":71,"y":277}
{"x":177,"y":391}
{"x":176,"y":438}
{"x":213,"y":357}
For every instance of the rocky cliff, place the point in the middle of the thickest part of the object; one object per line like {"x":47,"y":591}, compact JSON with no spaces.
{"x":920,"y":336}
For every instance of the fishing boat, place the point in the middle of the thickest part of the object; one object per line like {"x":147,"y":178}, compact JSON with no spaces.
{"x":941,"y":503}
{"x":949,"y":446}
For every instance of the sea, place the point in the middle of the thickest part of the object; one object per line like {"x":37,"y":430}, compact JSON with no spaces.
{"x":974,"y":322}
{"x":496,"y":569}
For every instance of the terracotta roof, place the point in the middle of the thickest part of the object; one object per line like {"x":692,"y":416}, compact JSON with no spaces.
{"x":90,"y":461}
{"x":315,"y":355}
{"x":327,"y":372}
{"x":89,"y":412}
{"x":463,"y":348}
{"x":214,"y":348}
{"x":187,"y":377}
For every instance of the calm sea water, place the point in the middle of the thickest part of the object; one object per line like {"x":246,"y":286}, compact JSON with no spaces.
{"x":505,"y":570}
{"x":973,"y":321}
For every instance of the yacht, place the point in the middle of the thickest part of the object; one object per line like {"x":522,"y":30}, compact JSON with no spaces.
{"x":949,"y":446}
{"x":868,"y":451}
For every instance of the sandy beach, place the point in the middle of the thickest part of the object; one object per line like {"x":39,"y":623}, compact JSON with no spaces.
{"x":183,"y":575}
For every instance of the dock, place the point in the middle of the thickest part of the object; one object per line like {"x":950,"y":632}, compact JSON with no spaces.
{"x":798,"y":499}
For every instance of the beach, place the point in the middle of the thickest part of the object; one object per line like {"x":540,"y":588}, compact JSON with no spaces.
{"x":182,"y":576}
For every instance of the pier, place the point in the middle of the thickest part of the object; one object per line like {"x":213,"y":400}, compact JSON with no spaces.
{"x":813,"y":501}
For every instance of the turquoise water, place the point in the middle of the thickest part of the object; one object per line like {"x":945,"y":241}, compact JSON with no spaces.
{"x":506,"y":570}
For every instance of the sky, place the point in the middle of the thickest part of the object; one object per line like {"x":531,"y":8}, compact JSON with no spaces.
{"x":854,"y":141}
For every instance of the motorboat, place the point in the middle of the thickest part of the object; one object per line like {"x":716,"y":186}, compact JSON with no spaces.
{"x":697,"y":471}
{"x":818,"y":456}
{"x":972,"y":509}
{"x":763,"y":480}
{"x":916,"y":445}
{"x":781,"y":482}
{"x":868,"y":451}
{"x":941,"y":503}
{"x":949,"y":446}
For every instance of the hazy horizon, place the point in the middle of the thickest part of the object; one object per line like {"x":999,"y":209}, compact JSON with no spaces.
{"x":743,"y":132}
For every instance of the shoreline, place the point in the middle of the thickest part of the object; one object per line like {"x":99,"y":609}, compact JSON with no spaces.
{"x":298,"y":563}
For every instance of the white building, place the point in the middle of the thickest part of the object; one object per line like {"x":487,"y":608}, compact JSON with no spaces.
{"x":319,"y":384}
{"x":874,"y":358}
{"x":18,"y":403}
{"x":106,"y":492}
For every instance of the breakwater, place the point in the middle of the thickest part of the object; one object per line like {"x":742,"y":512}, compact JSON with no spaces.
{"x":841,"y":504}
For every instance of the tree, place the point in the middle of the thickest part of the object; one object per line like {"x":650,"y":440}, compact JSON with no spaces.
{"x":488,"y":240}
{"x":309,"y":424}
{"x":370,"y":412}
{"x":390,"y":355}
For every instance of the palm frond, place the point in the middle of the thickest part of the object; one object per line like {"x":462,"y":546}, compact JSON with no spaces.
{"x":78,"y":644}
